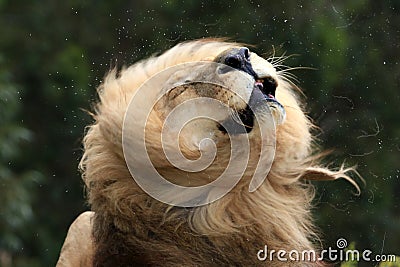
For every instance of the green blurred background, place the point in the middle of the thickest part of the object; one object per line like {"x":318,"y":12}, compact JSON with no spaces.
{"x":53,"y":55}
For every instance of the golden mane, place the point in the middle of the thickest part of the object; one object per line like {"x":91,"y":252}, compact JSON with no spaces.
{"x":131,"y":228}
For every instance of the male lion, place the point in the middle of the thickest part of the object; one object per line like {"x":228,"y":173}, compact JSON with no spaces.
{"x":128,"y":226}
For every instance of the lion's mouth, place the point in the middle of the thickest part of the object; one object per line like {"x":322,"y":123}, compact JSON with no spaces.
{"x":264,"y":90}
{"x":267,"y":86}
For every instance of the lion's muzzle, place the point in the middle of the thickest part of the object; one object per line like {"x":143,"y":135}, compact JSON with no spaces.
{"x":263,"y":93}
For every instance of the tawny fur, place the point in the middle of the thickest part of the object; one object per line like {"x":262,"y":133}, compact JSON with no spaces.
{"x":130,"y":228}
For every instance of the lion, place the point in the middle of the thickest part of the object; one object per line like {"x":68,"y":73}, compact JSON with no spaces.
{"x":128,"y":226}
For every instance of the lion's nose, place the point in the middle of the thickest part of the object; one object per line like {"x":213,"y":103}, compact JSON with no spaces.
{"x":240,"y":59}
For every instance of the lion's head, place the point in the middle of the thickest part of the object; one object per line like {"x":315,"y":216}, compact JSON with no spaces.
{"x":191,"y":116}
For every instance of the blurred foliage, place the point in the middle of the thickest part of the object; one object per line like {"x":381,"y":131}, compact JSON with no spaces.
{"x":391,"y":264}
{"x":55,"y":53}
{"x":15,"y":197}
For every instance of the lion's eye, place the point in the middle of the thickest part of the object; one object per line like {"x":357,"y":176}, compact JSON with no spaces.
{"x":175,"y":92}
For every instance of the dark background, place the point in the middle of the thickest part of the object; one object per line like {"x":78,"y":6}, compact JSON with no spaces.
{"x":53,"y":55}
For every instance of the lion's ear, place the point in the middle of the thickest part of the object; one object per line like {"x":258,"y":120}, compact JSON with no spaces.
{"x":324,"y":174}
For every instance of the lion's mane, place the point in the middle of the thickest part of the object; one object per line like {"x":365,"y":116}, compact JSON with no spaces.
{"x":132,"y":229}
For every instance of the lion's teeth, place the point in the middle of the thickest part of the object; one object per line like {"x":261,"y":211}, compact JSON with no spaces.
{"x":259,"y":85}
